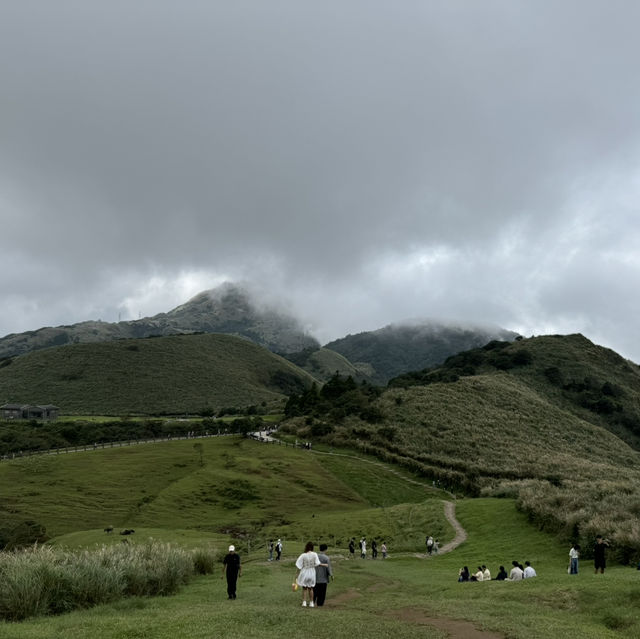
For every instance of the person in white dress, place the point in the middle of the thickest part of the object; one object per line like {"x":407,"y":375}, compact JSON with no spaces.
{"x":306,"y":575}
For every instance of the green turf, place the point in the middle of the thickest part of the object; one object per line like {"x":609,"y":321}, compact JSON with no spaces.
{"x":391,"y":598}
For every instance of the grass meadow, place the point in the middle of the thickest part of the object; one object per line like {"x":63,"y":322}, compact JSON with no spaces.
{"x":405,"y":596}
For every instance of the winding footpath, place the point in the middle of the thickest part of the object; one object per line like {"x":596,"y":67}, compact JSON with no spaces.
{"x":454,"y":628}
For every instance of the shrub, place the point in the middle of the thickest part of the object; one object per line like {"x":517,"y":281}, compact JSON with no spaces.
{"x":41,"y":581}
{"x":204,"y":562}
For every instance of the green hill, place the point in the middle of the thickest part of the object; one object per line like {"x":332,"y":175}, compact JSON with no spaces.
{"x":398,"y":348}
{"x":237,"y":488}
{"x":323,"y":363}
{"x":228,"y":309}
{"x":541,"y":419}
{"x":168,"y":375}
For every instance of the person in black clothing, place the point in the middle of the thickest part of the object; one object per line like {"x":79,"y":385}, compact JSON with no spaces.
{"x":374,"y":549}
{"x":502,"y":574}
{"x":352,"y":548}
{"x":599,"y":554}
{"x":232,"y":569}
{"x":463,"y":574}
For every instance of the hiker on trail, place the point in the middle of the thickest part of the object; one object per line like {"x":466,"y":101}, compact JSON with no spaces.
{"x":383,"y":549}
{"x":352,"y":547}
{"x":502,"y":574}
{"x":231,"y":569}
{"x":516,"y":574}
{"x":306,"y":574}
{"x":599,"y":554}
{"x":429,"y":542}
{"x":363,"y":548}
{"x":574,"y":555}
{"x":436,"y":547}
{"x":270,"y":549}
{"x":278,"y":549}
{"x":463,"y":574}
{"x":323,"y":574}
{"x":529,"y":571}
{"x":374,"y":549}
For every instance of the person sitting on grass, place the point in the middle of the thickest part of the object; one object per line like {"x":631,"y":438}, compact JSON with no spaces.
{"x":478,"y":576}
{"x":529,"y":571}
{"x":463,"y":574}
{"x":486,"y":573}
{"x":516,"y":574}
{"x":502,"y":574}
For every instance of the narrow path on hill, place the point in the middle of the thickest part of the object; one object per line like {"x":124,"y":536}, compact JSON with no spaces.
{"x":449,"y":506}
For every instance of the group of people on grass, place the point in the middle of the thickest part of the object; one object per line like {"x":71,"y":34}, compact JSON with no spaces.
{"x":313,"y":570}
{"x":277,"y":546}
{"x":599,"y":556}
{"x":518,"y":573}
{"x":363,"y":548}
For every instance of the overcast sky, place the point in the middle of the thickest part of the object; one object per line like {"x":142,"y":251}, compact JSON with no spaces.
{"x":359,"y":162}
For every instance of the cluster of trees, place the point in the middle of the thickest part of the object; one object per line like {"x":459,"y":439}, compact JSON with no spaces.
{"x":338,"y":398}
{"x":495,"y":354}
{"x":606,"y":399}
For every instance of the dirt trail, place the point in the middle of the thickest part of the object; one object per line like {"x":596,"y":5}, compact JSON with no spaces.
{"x":455,"y":628}
{"x":461,"y":533}
{"x":449,"y":506}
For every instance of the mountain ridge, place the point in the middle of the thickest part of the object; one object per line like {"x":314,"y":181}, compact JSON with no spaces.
{"x":227,"y":309}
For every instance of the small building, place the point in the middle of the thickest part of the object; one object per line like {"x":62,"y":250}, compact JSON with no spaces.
{"x":43,"y":412}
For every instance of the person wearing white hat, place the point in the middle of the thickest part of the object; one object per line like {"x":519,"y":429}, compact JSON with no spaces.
{"x":232,"y":569}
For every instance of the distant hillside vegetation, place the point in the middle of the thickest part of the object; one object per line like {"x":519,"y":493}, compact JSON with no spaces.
{"x":398,"y":348}
{"x":227,"y":309}
{"x":323,"y":363}
{"x":167,"y":375}
{"x":550,"y":420}
{"x":592,"y":382}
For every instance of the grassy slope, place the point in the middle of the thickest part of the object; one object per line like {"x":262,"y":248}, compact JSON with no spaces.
{"x":514,"y":432}
{"x":324,"y":363}
{"x":383,"y":599}
{"x":250,"y":490}
{"x":578,"y":358}
{"x":171,"y":374}
{"x":495,"y":424}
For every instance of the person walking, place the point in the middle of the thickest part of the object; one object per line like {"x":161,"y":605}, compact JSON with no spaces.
{"x":232,"y":569}
{"x":270,"y":549}
{"x":363,"y":548}
{"x":429,"y":542}
{"x":278,"y":549}
{"x":374,"y":549}
{"x":383,"y":549}
{"x":352,"y":548}
{"x":306,"y":574}
{"x":574,"y":555}
{"x":323,"y":574}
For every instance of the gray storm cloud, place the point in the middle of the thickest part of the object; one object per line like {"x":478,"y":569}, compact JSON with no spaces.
{"x":366,"y":161}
